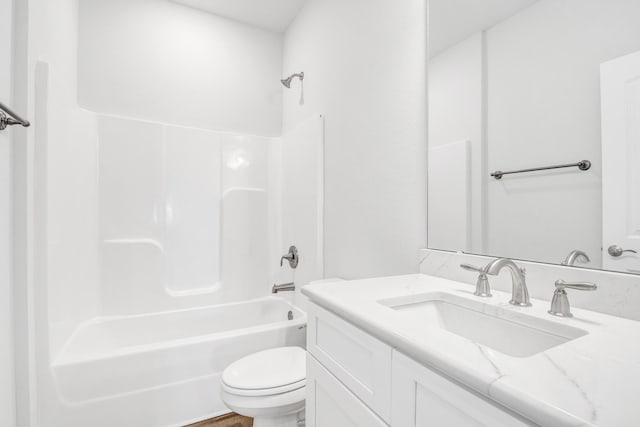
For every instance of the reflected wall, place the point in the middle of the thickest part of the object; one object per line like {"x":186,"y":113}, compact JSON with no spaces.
{"x":524,"y":91}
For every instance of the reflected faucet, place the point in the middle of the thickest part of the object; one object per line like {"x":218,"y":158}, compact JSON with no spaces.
{"x":576,"y":255}
{"x":519,"y":293}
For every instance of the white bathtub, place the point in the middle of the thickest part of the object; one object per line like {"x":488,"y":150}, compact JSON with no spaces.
{"x":164,"y":369}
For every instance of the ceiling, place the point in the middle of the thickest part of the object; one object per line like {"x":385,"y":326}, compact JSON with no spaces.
{"x":451,"y":21}
{"x":272,"y":15}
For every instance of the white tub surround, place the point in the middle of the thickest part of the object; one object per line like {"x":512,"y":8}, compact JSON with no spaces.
{"x":571,"y":384}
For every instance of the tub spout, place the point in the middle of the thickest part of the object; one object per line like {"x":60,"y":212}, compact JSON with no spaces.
{"x":284,"y":287}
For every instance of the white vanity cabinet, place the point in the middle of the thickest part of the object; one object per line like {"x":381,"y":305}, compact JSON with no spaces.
{"x":354,"y":379}
{"x":360,"y":362}
{"x":331,"y":404}
{"x":423,"y":398}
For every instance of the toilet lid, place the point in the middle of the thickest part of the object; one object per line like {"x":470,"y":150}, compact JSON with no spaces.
{"x":268,"y":369}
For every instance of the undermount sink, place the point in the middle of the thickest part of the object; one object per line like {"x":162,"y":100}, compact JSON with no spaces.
{"x":506,"y":331}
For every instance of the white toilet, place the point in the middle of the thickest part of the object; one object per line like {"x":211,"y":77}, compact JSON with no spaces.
{"x":268,"y":386}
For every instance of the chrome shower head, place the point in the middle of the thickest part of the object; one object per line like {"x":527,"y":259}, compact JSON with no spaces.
{"x":287,"y":82}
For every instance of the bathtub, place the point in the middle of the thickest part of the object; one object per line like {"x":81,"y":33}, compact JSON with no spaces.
{"x":164,"y":369}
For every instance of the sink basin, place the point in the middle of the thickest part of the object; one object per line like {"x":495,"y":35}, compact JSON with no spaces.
{"x":503,"y":330}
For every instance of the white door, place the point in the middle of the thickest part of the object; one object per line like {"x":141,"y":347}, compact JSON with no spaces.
{"x":620,"y":86}
{"x":7,"y":399}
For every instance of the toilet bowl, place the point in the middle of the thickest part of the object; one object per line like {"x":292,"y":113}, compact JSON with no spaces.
{"x":268,"y":386}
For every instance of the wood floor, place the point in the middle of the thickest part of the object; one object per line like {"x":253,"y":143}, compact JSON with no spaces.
{"x":230,"y":420}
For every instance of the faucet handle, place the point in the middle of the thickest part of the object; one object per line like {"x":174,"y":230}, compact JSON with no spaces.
{"x":291,"y":256}
{"x":580,"y":286}
{"x":560,"y":302}
{"x":482,"y":285}
{"x":470,"y":267}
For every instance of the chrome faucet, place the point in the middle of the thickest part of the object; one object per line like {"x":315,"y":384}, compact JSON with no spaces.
{"x":576,"y":255}
{"x":519,"y":292}
{"x":560,"y":303}
{"x":482,"y":284}
{"x":284,"y":287}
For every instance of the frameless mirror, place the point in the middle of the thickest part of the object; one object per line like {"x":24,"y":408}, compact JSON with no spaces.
{"x":534,"y":130}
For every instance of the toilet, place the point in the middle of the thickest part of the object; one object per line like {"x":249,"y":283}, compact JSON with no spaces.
{"x":268,"y":386}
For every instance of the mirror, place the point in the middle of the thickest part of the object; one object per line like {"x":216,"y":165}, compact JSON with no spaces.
{"x":516,"y":85}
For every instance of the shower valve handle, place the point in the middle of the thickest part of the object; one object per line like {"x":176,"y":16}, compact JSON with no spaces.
{"x":292,"y":257}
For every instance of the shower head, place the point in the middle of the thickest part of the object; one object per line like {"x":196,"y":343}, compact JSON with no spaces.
{"x":287,"y":82}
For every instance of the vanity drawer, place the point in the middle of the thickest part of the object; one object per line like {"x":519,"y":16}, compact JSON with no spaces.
{"x":423,"y":398}
{"x":330,"y":404}
{"x":361,"y":362}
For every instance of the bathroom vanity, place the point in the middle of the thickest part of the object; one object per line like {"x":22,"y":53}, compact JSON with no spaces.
{"x":420,"y":350}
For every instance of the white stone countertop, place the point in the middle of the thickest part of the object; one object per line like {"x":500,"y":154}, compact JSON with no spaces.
{"x":592,"y":380}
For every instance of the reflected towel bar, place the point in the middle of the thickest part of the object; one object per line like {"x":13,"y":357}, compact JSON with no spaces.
{"x":583,"y":165}
{"x":9,"y":118}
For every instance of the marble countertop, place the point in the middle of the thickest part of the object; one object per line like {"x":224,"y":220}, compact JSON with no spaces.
{"x":593,"y":380}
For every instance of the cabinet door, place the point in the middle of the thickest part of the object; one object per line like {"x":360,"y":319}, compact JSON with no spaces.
{"x":331,"y":404}
{"x":423,"y":398}
{"x":359,"y":361}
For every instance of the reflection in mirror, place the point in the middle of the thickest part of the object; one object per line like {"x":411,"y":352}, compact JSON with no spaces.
{"x":525,"y":84}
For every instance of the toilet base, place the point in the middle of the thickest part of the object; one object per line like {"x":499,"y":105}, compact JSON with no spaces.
{"x":291,"y":420}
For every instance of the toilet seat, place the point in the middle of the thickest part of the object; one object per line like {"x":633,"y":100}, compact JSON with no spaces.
{"x":264,"y":391}
{"x":266,"y":373}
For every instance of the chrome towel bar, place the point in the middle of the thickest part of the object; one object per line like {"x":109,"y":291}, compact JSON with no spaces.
{"x":583,"y":165}
{"x":9,"y":118}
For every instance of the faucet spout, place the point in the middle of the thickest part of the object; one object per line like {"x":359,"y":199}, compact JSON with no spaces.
{"x":576,"y":255}
{"x":519,"y":291}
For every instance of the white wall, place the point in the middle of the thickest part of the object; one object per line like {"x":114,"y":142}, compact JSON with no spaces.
{"x":544,"y":108}
{"x":365,"y":72}
{"x":455,"y":114}
{"x":162,"y":61}
{"x":7,"y":392}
